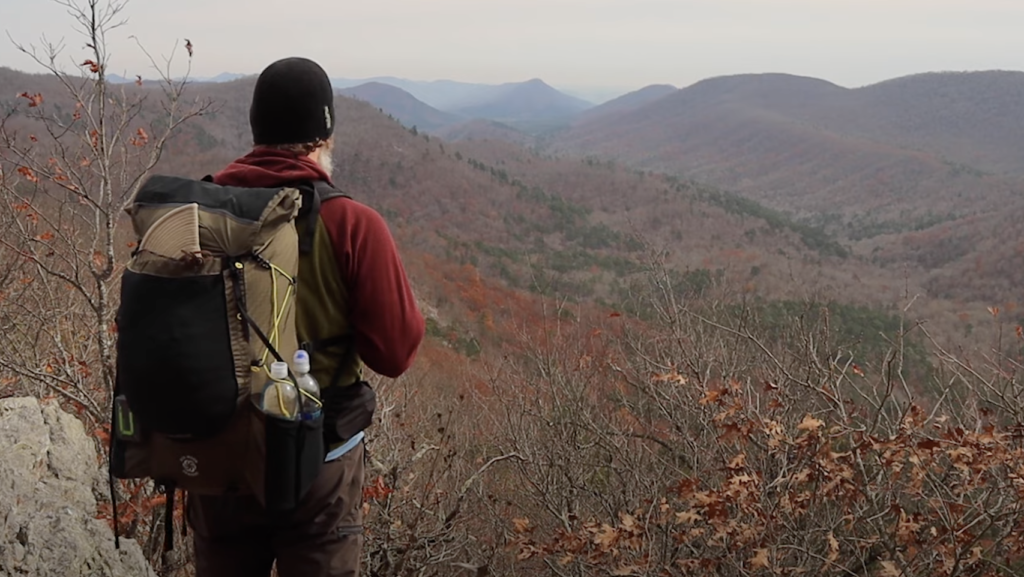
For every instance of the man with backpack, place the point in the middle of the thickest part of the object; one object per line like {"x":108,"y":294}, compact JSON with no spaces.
{"x":357,"y":281}
{"x":260,"y":489}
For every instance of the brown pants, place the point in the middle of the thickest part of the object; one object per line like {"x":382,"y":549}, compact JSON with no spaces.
{"x":233,"y":537}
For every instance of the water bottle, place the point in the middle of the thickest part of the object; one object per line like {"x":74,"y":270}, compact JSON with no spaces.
{"x":308,"y":387}
{"x":280,"y":397}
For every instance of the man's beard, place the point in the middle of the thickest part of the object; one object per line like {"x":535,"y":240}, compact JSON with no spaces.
{"x":326,"y":159}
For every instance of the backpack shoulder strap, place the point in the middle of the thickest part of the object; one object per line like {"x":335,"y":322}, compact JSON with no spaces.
{"x":314,"y":194}
{"x":326,"y":192}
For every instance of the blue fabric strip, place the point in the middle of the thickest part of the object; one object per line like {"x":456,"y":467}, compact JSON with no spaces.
{"x":348,"y":446}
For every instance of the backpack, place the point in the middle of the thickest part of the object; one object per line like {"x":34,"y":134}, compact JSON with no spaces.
{"x":207,"y":304}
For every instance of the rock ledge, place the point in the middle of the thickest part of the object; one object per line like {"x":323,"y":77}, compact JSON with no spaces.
{"x":48,"y":525}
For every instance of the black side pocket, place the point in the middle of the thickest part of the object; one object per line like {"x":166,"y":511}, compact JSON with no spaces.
{"x":313,"y":452}
{"x":295,"y":455}
{"x":348,"y":410}
{"x":174,"y":357}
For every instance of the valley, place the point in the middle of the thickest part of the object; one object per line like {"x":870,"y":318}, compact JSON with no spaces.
{"x":752,"y":181}
{"x":916,"y":179}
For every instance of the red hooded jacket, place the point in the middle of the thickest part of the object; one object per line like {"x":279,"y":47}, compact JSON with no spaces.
{"x":388,"y":325}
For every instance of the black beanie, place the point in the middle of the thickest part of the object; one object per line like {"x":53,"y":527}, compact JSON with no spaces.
{"x":293,"y":103}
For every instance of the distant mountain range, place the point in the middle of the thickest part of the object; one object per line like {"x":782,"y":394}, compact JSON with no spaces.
{"x":222,"y":77}
{"x":431,"y":105}
{"x":452,"y":94}
{"x":533,"y":100}
{"x":926,"y":146}
{"x":532,"y":105}
{"x":440,"y":94}
{"x":796,"y":143}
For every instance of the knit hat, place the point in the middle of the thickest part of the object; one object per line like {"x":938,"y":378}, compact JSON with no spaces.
{"x":293,"y":103}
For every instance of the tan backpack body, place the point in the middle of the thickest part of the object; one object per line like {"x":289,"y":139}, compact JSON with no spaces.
{"x":207,"y":304}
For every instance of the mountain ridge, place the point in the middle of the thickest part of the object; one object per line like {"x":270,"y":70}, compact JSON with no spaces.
{"x":409,"y":110}
{"x":626,"y":102}
{"x":531,"y":101}
{"x":805,"y":144}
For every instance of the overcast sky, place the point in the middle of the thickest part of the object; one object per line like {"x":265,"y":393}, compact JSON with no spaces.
{"x":625,"y":44}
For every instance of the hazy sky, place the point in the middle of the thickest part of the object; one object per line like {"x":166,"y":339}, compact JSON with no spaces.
{"x":569,"y":43}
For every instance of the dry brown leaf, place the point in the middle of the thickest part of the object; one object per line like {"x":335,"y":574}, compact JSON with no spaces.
{"x":688,"y":564}
{"x":606,"y":537}
{"x":961,"y":454}
{"x":975,"y":555}
{"x":34,"y":100}
{"x":738,"y":462}
{"x":704,"y":498}
{"x":760,"y":559}
{"x":889,"y":569}
{"x":711,"y":397}
{"x":628,"y":521}
{"x":28,"y":174}
{"x":671,"y":377}
{"x":833,"y":547}
{"x":688,"y":517}
{"x":520,"y":525}
{"x":810,"y":424}
{"x":740,"y":480}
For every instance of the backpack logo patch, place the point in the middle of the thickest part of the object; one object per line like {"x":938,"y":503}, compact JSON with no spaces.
{"x":190,"y":465}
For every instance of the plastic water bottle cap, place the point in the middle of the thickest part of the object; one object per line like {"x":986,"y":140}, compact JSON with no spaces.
{"x":279,"y":370}
{"x":301,"y":361}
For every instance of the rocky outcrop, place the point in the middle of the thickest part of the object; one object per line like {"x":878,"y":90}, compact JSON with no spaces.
{"x":48,"y":524}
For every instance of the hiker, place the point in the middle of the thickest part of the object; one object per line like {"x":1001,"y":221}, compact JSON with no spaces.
{"x":352,"y":282}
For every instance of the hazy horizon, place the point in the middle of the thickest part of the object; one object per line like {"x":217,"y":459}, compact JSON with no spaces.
{"x":600,"y":46}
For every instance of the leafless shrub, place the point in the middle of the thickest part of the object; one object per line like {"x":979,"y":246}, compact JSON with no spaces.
{"x":70,"y":162}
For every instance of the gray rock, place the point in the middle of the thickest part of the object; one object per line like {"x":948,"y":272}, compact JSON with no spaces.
{"x":48,"y":470}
